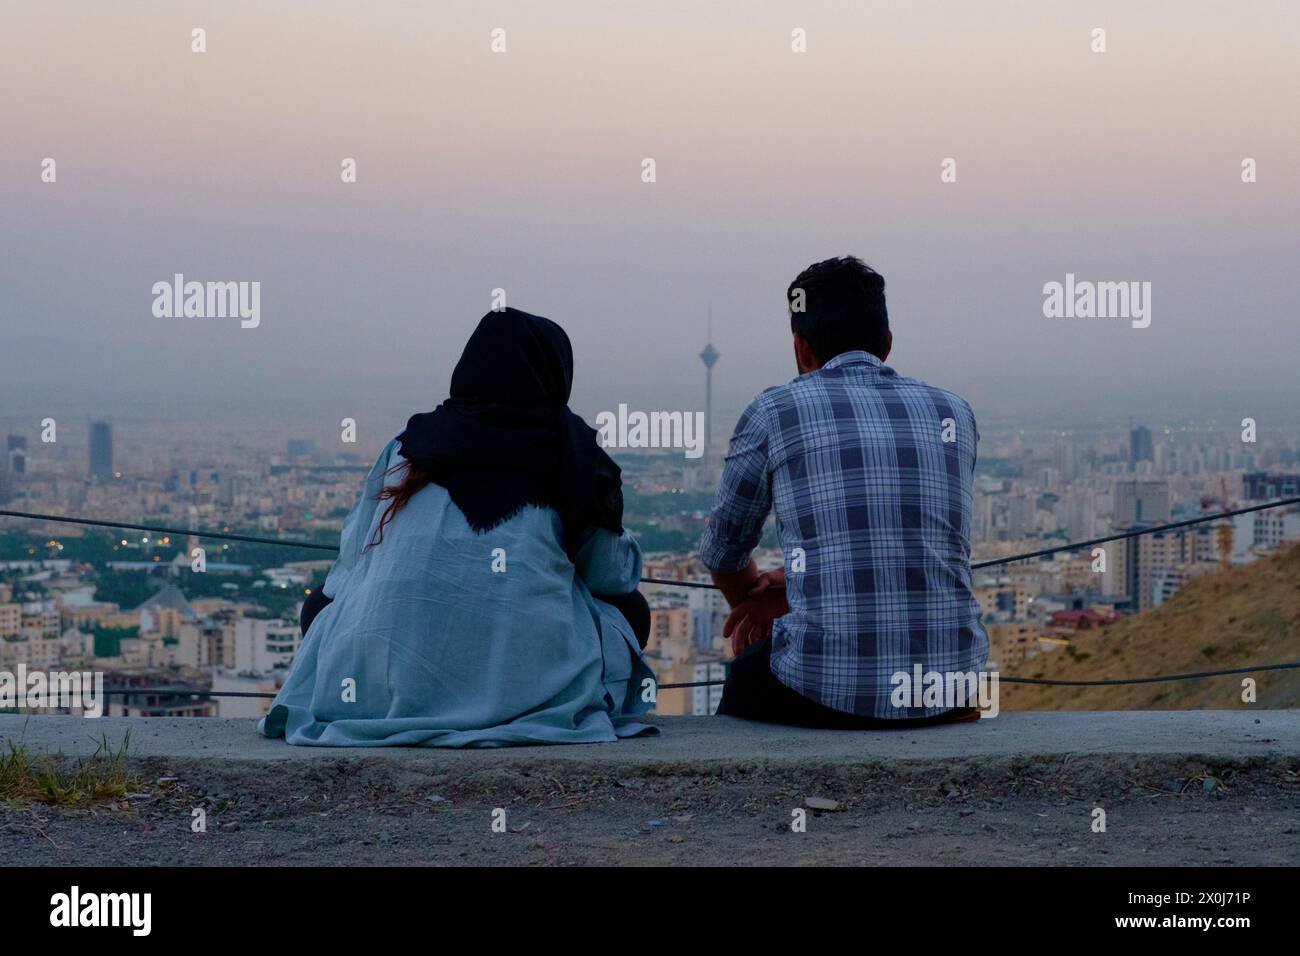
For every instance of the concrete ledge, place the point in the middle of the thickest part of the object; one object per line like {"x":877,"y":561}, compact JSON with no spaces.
{"x":717,"y":741}
{"x":1179,"y":788}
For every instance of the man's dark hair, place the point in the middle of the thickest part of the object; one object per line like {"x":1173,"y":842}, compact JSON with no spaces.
{"x":843,"y":308}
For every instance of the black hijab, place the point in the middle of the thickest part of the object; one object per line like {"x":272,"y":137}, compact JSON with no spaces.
{"x":505,"y":437}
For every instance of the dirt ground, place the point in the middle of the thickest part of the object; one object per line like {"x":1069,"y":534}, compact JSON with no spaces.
{"x":357,"y":813}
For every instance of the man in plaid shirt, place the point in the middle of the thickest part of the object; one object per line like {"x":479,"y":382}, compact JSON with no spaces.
{"x":870,"y":476}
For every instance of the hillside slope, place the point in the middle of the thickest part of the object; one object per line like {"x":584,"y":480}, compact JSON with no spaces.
{"x":1246,"y":615}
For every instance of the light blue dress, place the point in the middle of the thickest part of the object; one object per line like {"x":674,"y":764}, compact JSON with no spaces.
{"x":445,"y":651}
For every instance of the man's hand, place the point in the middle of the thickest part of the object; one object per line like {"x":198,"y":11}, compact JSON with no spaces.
{"x":751,"y":620}
{"x":768,"y":579}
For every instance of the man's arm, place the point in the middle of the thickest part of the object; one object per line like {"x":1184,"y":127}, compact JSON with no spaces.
{"x":735,"y":585}
{"x":740,"y":507}
{"x":743,"y":501}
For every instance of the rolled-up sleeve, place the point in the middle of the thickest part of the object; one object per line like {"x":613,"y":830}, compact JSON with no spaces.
{"x":744,"y":495}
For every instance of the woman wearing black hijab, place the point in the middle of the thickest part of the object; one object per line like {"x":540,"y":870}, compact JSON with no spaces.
{"x":464,"y":604}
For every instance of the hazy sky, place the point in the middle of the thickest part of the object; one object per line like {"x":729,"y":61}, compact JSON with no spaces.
{"x":522,"y":170}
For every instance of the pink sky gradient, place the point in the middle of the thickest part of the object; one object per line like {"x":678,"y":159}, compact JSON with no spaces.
{"x":522,"y":170}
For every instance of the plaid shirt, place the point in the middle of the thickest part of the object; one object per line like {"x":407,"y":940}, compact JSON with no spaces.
{"x":854,"y":460}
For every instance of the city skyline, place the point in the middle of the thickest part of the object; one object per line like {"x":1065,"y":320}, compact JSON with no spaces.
{"x":223,"y":330}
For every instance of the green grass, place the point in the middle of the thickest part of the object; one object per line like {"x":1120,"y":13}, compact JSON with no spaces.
{"x":99,"y":778}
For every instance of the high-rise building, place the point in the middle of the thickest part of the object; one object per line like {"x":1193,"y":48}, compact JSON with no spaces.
{"x":1140,"y":445}
{"x":1141,"y":502}
{"x":709,"y":357}
{"x":1158,"y":564}
{"x":15,"y":457}
{"x":1067,"y":459}
{"x":300,"y":448}
{"x":101,"y":450}
{"x":708,"y":613}
{"x":1261,"y":486}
